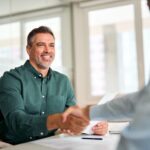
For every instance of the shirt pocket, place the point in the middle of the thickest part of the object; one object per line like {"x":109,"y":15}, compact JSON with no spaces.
{"x":55,"y":104}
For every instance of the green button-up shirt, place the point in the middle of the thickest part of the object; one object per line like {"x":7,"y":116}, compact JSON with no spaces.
{"x":27,"y":98}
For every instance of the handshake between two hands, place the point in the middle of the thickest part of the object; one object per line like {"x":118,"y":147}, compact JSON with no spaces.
{"x":75,"y":120}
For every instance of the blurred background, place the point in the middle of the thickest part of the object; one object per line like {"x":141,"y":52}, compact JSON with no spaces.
{"x":103,"y":46}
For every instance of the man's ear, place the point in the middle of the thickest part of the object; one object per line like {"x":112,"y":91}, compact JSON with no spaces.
{"x":28,"y":49}
{"x":148,"y":4}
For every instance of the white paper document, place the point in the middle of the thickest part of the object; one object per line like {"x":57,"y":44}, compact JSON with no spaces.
{"x":108,"y":97}
{"x":117,"y":127}
{"x":88,"y":129}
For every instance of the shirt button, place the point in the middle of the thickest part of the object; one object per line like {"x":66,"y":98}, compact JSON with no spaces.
{"x":41,"y":133}
{"x":30,"y":137}
{"x":43,"y":112}
{"x":40,"y":75}
{"x":43,"y":96}
{"x":35,"y":77}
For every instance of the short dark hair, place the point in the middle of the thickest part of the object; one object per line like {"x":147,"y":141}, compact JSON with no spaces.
{"x":41,"y":29}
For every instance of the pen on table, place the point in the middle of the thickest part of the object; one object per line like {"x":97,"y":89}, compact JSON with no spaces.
{"x":90,"y":138}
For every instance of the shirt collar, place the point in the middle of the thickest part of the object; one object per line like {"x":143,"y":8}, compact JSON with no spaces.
{"x":34,"y":72}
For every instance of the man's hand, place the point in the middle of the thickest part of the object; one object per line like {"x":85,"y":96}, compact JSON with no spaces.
{"x":76,"y":111}
{"x":100,"y":128}
{"x":74,"y":124}
{"x":75,"y":120}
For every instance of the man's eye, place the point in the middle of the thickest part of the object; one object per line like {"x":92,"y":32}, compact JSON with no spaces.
{"x":40,"y":44}
{"x":52,"y":45}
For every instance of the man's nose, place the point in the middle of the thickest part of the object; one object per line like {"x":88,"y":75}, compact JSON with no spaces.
{"x":47,"y":48}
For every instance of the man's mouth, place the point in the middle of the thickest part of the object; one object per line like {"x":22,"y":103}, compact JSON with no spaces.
{"x":46,"y":57}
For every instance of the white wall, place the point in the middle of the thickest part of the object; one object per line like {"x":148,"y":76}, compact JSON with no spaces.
{"x":15,"y":6}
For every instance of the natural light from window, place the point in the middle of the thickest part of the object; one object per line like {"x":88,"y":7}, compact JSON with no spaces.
{"x":113,"y":60}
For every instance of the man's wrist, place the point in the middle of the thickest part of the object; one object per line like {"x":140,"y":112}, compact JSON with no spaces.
{"x":86,"y":111}
{"x":54,"y":121}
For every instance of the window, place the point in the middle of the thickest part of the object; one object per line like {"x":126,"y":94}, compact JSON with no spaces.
{"x":10,"y":54}
{"x":146,"y":37}
{"x":113,"y":61}
{"x":109,"y":38}
{"x":10,"y":41}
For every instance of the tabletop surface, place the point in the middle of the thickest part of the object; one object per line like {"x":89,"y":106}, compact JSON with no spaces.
{"x":64,"y":142}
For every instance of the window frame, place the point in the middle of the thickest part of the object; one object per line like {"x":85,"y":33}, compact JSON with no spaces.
{"x":82,"y":81}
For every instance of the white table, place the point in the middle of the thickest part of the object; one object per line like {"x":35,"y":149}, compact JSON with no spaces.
{"x":65,"y":142}
{"x":61,"y":142}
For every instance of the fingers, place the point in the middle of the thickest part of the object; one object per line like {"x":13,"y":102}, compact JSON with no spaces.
{"x":67,"y":132}
{"x":73,"y":120}
{"x":77,"y":124}
{"x":71,"y":110}
{"x":81,"y":120}
{"x":67,"y":113}
{"x":74,"y":124}
{"x":100,"y":128}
